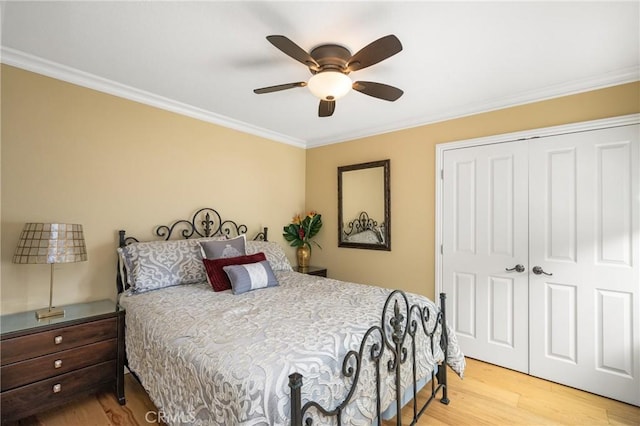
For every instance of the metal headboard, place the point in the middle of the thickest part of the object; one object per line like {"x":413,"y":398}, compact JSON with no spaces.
{"x":204,"y":223}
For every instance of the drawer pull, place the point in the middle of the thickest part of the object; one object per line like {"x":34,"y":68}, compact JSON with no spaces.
{"x":57,"y":388}
{"x":57,"y":363}
{"x":57,"y":340}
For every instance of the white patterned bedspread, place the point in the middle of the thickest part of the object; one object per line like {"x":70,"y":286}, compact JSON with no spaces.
{"x":210,"y":358}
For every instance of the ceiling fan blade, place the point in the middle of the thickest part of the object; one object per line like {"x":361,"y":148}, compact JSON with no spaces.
{"x":378,"y":90}
{"x":375,"y":52}
{"x":279,"y":87}
{"x":293,"y":50}
{"x":326,"y":108}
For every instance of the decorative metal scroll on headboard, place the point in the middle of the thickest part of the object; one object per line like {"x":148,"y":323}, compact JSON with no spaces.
{"x":362,"y":223}
{"x":205,"y":222}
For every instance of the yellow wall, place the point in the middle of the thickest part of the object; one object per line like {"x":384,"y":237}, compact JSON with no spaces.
{"x":410,"y":263}
{"x":71,"y":154}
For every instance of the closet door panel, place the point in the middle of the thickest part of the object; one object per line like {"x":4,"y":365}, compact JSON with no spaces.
{"x":464,"y":296}
{"x":560,"y":322}
{"x":614,"y":203}
{"x":584,"y":209}
{"x":615,"y":350}
{"x":557,"y":211}
{"x":485,"y":233}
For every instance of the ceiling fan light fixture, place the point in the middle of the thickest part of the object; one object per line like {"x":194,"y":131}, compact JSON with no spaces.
{"x":329,"y":85}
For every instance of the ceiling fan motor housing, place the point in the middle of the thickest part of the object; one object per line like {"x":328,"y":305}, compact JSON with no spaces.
{"x":331,"y":57}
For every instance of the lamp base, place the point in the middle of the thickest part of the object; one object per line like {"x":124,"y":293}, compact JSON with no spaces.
{"x":49,"y":312}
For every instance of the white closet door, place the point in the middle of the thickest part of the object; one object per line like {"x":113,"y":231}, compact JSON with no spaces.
{"x":484,"y":233}
{"x":584,"y":211}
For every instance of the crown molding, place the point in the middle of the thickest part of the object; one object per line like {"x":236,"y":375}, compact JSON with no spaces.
{"x":52,"y":69}
{"x":58,"y":71}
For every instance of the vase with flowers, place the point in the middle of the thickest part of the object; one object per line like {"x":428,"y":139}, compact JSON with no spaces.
{"x":299,"y":233}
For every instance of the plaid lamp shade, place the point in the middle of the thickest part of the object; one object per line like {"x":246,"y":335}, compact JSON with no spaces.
{"x":51,"y":243}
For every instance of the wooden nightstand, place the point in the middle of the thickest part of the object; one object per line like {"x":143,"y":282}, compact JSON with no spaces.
{"x":313,"y":270}
{"x":46,"y":363}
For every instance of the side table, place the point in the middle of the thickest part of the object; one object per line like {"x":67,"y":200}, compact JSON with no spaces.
{"x":48,"y":362}
{"x":313,"y":270}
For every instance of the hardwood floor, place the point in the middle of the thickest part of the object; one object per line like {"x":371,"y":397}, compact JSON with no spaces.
{"x":488,"y":395}
{"x":491,"y":395}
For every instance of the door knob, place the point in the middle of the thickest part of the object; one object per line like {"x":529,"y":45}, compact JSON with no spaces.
{"x":538,"y":270}
{"x":517,"y":268}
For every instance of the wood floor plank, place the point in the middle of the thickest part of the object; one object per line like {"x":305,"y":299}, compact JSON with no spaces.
{"x":84,"y":411}
{"x":136,"y":410}
{"x":553,"y":406}
{"x":118,"y":415}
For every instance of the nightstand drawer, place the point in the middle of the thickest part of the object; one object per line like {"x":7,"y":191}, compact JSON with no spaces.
{"x":35,"y":369}
{"x":25,"y":400}
{"x":35,"y":345}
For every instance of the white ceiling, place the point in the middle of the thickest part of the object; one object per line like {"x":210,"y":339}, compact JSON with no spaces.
{"x":204,"y":59}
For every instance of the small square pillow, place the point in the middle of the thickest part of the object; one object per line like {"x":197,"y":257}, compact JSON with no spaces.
{"x":250,"y":276}
{"x":274,"y":253}
{"x":217,"y":277}
{"x":233,"y":247}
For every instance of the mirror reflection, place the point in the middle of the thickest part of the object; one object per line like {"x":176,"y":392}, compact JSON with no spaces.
{"x":363,"y":206}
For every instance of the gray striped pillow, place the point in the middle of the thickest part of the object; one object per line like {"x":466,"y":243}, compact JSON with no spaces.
{"x":250,"y":276}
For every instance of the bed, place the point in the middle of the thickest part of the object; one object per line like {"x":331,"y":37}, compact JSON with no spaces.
{"x":305,"y":350}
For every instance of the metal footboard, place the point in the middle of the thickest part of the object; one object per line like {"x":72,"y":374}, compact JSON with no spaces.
{"x":396,"y":335}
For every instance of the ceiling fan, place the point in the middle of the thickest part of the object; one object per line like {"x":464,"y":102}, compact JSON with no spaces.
{"x":331,"y":65}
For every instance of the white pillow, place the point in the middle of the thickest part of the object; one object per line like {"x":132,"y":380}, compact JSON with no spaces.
{"x":274,"y":253}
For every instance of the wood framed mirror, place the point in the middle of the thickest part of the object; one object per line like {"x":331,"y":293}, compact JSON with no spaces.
{"x":364,"y":206}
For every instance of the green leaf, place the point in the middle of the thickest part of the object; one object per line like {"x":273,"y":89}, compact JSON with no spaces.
{"x":311,"y":225}
{"x":291,"y":235}
{"x":315,"y":225}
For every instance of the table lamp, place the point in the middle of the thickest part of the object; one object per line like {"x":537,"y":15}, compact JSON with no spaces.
{"x":50,"y":243}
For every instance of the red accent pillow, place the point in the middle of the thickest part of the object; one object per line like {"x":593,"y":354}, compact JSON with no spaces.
{"x":218,"y":278}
